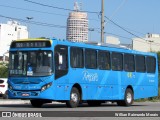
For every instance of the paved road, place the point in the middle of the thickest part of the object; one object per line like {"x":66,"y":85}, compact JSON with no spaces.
{"x":24,"y":105}
{"x":60,"y":109}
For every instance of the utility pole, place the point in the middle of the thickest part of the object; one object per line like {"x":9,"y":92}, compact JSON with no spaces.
{"x":102,"y":22}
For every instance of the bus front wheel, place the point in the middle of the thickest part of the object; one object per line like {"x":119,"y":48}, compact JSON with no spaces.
{"x":128,"y":98}
{"x":5,"y":96}
{"x":74,"y":98}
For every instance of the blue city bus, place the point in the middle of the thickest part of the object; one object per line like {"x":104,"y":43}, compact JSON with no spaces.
{"x":46,"y":70}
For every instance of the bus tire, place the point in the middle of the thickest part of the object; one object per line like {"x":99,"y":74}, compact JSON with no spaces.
{"x":128,"y":98}
{"x":37,"y":103}
{"x":5,"y":96}
{"x":74,"y":98}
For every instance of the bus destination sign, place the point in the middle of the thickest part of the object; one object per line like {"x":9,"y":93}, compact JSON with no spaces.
{"x":31,"y":44}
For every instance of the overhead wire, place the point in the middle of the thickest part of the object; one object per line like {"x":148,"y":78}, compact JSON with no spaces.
{"x":60,"y":26}
{"x":31,"y":10}
{"x":144,"y":40}
{"x":40,"y":23}
{"x":60,"y":8}
{"x":135,"y":31}
{"x":139,"y":40}
{"x":51,"y":25}
{"x":123,"y":28}
{"x":97,"y":30}
{"x":34,"y":22}
{"x":118,"y":35}
{"x":45,"y":5}
{"x":43,"y":12}
{"x":117,"y":9}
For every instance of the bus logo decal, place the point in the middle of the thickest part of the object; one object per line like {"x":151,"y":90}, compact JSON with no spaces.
{"x":91,"y":77}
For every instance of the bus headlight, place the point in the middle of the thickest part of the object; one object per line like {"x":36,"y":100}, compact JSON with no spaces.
{"x":46,"y":86}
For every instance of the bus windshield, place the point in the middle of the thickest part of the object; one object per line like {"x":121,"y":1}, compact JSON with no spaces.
{"x":30,"y":63}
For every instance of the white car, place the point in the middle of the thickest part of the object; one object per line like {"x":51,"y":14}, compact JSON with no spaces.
{"x":3,"y":88}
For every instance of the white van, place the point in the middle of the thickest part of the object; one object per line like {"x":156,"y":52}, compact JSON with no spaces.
{"x":3,"y":88}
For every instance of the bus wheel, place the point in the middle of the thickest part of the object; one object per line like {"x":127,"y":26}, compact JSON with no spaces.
{"x":5,"y":96}
{"x":74,"y":98}
{"x":94,"y":102}
{"x":36,"y":103}
{"x":128,"y":98}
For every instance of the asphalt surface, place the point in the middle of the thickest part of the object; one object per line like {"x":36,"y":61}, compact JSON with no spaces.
{"x":59,"y":111}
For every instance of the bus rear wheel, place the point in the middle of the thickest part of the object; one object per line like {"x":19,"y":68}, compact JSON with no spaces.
{"x":74,"y":98}
{"x":37,"y":103}
{"x":128,"y":98}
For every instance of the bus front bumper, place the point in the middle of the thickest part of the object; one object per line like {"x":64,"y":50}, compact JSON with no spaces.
{"x":47,"y":94}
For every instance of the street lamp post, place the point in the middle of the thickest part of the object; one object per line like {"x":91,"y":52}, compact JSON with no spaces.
{"x":90,"y":30}
{"x":150,"y":42}
{"x":29,"y":18}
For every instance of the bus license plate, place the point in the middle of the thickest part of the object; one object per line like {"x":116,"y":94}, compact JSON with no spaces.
{"x":25,"y":94}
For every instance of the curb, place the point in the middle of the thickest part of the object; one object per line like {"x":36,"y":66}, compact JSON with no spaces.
{"x":19,"y":101}
{"x":9,"y":101}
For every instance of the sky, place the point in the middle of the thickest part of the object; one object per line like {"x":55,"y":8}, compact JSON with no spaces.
{"x":136,"y":17}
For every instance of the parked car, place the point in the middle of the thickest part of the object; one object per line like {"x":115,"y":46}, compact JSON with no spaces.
{"x":3,"y":88}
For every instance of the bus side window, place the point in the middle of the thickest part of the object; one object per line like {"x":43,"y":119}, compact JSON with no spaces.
{"x":129,"y":63}
{"x":61,"y":60}
{"x":140,"y":63}
{"x":151,"y":64}
{"x":103,"y":60}
{"x":117,"y":61}
{"x":76,"y":57}
{"x":90,"y":58}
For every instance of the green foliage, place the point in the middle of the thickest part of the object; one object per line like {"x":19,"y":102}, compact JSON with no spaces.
{"x":158,"y":53}
{"x":3,"y":70}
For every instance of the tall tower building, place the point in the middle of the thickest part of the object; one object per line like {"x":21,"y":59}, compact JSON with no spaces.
{"x":77,"y":25}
